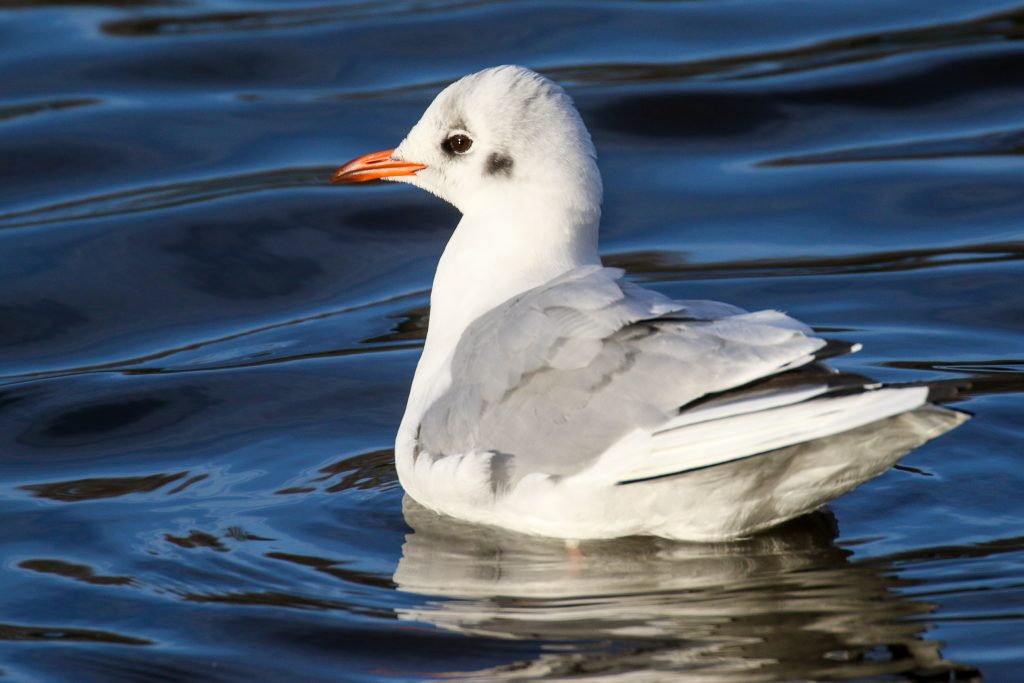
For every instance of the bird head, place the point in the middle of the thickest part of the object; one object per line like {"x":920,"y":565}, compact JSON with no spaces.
{"x":502,"y":137}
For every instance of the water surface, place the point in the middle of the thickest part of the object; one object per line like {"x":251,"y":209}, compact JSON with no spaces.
{"x":205,"y":349}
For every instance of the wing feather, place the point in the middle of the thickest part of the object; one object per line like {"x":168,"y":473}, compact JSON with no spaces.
{"x":686,"y":447}
{"x":557,"y":375}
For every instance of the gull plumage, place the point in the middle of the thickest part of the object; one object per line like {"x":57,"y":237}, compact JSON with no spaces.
{"x":554,"y":397}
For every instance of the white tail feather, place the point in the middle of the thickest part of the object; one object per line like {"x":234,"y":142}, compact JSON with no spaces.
{"x":686,"y":445}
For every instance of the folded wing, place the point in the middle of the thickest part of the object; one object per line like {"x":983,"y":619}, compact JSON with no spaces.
{"x":555,"y":377}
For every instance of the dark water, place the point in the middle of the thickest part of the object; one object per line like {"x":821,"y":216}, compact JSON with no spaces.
{"x":205,"y":349}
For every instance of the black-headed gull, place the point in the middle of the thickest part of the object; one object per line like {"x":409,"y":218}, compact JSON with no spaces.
{"x":554,"y":397}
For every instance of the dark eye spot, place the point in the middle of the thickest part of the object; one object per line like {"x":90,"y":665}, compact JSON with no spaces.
{"x":499,"y":164}
{"x":457,"y":144}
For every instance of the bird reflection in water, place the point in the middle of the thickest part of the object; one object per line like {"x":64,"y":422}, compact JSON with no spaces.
{"x":785,"y":604}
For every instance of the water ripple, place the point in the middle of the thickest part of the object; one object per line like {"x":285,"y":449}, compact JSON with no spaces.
{"x":998,"y":143}
{"x":225,"y":353}
{"x":667,"y":265}
{"x":77,"y":572}
{"x":989,"y":548}
{"x":999,"y":27}
{"x":198,"y":424}
{"x":405,"y":337}
{"x":373,"y":471}
{"x":79,"y":490}
{"x":61,"y":634}
{"x":996,"y":376}
{"x":9,"y":112}
{"x":225,"y":22}
{"x":196,"y":539}
{"x":335,"y":568}
{"x":156,"y":197}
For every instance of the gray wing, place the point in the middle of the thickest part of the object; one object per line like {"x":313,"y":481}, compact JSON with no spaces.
{"x":555,"y":376}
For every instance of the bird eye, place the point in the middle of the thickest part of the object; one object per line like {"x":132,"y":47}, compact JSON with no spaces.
{"x":458,"y":144}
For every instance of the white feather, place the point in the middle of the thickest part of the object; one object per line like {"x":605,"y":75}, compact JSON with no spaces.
{"x":680,"y":448}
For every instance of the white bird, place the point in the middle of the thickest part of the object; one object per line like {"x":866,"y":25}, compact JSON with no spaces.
{"x":553,"y":397}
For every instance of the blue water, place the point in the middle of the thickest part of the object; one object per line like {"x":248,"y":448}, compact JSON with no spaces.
{"x":205,"y":348}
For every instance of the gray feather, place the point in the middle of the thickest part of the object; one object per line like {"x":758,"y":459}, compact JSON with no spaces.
{"x":558,"y":374}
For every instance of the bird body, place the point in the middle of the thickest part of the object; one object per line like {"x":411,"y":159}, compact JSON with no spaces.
{"x":554,"y":397}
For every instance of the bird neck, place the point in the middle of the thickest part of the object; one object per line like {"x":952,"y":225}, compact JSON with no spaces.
{"x":498,"y":252}
{"x":494,"y":254}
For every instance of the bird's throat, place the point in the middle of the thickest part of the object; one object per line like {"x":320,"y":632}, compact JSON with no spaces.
{"x":490,"y":259}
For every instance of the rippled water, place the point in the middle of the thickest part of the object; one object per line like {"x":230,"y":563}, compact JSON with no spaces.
{"x":206,"y":348}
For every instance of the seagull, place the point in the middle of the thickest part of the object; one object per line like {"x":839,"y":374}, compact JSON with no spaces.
{"x":556,"y":398}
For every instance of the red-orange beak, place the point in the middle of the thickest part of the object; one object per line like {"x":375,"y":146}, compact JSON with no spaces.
{"x":374,"y":167}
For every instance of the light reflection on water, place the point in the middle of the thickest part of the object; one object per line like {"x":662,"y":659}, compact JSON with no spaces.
{"x":784,"y":605}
